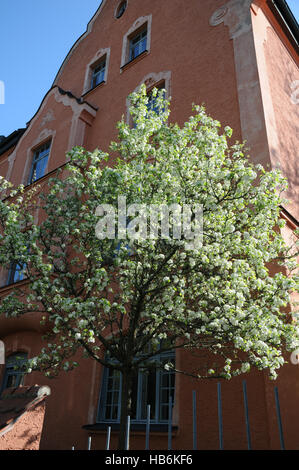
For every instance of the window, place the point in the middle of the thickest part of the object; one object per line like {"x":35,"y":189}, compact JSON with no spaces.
{"x":152,"y":104}
{"x":161,"y":80}
{"x":98,"y":74}
{"x":136,"y":41}
{"x":96,"y":70}
{"x":121,"y":9}
{"x":39,"y":164}
{"x":124,"y":242}
{"x":16,"y":273}
{"x":151,"y":386}
{"x":138,"y":44}
{"x":152,"y":100}
{"x":14,"y":375}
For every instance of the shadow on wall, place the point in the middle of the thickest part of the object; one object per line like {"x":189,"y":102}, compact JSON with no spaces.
{"x":22,"y":412}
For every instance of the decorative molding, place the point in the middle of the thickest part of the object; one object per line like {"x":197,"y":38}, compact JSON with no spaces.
{"x":154,"y":78}
{"x":136,"y":25}
{"x":236,"y":15}
{"x":218,"y":16}
{"x":96,"y":58}
{"x":48,"y":118}
{"x":150,"y":80}
{"x":45,"y":134}
{"x":83,"y":114}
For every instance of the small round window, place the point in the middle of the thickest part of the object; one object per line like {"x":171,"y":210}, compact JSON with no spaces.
{"x":121,"y":9}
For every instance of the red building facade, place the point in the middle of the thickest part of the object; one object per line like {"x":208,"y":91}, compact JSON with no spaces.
{"x":239,"y":58}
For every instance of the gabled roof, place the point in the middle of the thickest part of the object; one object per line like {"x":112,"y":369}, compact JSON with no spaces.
{"x":10,"y":141}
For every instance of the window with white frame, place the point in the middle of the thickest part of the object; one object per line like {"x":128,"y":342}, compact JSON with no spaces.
{"x":152,"y":104}
{"x":152,"y":100}
{"x":136,"y":41}
{"x":152,"y":385}
{"x":96,"y":70}
{"x":39,"y":162}
{"x":138,"y":44}
{"x":98,"y":73}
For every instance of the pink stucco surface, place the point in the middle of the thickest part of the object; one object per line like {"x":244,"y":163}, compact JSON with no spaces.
{"x":282,"y":73}
{"x":26,"y":433}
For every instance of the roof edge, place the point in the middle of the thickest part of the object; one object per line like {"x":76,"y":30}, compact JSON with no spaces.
{"x":11,"y":140}
{"x":62,"y":92}
{"x":88,"y":30}
{"x":289,"y":23}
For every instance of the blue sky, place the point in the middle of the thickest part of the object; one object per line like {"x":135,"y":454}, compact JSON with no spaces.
{"x":33,"y":45}
{"x":35,"y":37}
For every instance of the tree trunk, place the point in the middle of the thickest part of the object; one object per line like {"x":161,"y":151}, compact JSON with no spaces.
{"x":126,"y":392}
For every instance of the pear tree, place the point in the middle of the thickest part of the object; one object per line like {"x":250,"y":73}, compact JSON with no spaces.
{"x":171,"y":240}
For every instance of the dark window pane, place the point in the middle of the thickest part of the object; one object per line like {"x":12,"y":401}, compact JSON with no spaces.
{"x":151,"y":386}
{"x":121,"y":9}
{"x":39,"y":168}
{"x":152,"y":101}
{"x":112,"y":395}
{"x":11,"y":381}
{"x":164,"y":412}
{"x":114,"y":414}
{"x":98,"y":74}
{"x":172,"y":379}
{"x":16,"y":273}
{"x":143,"y":45}
{"x":165,"y":380}
{"x":148,"y":393}
{"x":107,"y":412}
{"x":115,"y":397}
{"x":14,"y":376}
{"x":109,"y":398}
{"x":165,"y":395}
{"x":40,"y":160}
{"x":134,"y":397}
{"x":138,"y":45}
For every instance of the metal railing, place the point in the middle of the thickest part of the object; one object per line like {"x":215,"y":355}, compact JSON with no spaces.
{"x":195,"y":423}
